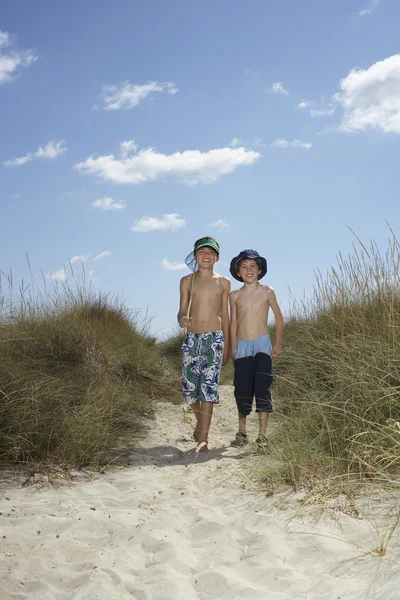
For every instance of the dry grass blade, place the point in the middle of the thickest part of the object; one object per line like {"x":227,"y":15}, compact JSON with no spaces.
{"x":78,"y":373}
{"x":337,"y":388}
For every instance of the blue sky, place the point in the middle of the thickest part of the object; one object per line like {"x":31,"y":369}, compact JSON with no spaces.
{"x":130,"y":129}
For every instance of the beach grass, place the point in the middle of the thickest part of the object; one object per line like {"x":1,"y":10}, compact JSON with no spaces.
{"x":78,"y":373}
{"x":337,"y":385}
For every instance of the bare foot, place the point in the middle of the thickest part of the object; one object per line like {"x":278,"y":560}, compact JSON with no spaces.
{"x":202,"y":447}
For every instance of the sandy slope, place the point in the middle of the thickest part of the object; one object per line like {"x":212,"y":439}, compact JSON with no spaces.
{"x":174,"y":528}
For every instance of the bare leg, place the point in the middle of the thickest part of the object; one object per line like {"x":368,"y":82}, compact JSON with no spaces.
{"x":242,"y":423}
{"x":241,"y":438}
{"x":263,"y":423}
{"x":206,"y":411}
{"x":196,"y":408}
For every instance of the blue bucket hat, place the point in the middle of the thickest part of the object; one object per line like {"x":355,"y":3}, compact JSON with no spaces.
{"x":252,"y":254}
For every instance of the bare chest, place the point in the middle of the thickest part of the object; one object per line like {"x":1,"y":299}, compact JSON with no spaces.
{"x":208,"y":290}
{"x":252,"y":303}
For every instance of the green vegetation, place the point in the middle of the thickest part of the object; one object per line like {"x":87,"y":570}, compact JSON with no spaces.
{"x":172,"y":348}
{"x":338,"y":381}
{"x":78,"y":372}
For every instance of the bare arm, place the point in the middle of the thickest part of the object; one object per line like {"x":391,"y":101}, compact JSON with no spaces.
{"x":225,"y":318}
{"x":233,"y":325}
{"x":278,"y":321}
{"x":183,"y":319}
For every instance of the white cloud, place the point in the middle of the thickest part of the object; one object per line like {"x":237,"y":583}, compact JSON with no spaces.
{"x":5,"y":39}
{"x":128,"y":95}
{"x":80,"y":259}
{"x":51,"y":150}
{"x":17,"y":162}
{"x":256,"y":142}
{"x":190,"y":166}
{"x":166,"y":223}
{"x":172,"y":266}
{"x":60,"y":275}
{"x":277,"y":88}
{"x":316,"y":112}
{"x":322,"y":112}
{"x":128,"y":147}
{"x":371,"y":6}
{"x":13,"y":60}
{"x":108,"y":203}
{"x":371,"y":97}
{"x":102,"y":255}
{"x":303,"y":104}
{"x":220,"y":225}
{"x":280,"y":143}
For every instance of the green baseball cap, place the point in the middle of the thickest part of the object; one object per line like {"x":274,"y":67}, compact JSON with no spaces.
{"x":190,"y":260}
{"x":206,"y":241}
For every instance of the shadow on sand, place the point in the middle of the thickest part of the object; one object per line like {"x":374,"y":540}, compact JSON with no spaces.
{"x":166,"y":456}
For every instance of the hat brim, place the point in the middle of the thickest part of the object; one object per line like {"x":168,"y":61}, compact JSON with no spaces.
{"x":235,"y":260}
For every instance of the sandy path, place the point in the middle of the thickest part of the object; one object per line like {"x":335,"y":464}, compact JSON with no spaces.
{"x":174,"y":528}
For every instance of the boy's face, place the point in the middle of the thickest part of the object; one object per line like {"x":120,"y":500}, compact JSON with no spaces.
{"x":206,"y":257}
{"x":249,"y":270}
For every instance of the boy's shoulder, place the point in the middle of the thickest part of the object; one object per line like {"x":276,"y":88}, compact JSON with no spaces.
{"x":235,"y":293}
{"x":268,"y":292}
{"x":224,"y":281}
{"x":266,"y":288}
{"x":186,"y":281}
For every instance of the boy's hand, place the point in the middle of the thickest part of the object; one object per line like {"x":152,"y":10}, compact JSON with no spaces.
{"x":275,"y":352}
{"x":225,"y":358}
{"x":185,"y":322}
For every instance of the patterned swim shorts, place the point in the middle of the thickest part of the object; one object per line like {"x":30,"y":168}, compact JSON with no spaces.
{"x":202,"y":355}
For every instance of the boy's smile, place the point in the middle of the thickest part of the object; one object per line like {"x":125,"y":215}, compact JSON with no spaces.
{"x":249,"y":271}
{"x":206,"y":256}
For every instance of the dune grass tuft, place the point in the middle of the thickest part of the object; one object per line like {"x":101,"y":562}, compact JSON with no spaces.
{"x":338,"y":380}
{"x":78,"y":372}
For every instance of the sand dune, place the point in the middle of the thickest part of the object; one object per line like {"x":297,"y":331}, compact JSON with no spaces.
{"x":171,"y":527}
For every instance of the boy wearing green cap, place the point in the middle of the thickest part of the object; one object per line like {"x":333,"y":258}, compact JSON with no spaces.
{"x":203,"y":312}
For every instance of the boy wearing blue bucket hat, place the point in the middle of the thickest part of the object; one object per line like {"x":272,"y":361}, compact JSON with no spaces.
{"x":251,"y":346}
{"x":203,"y":313}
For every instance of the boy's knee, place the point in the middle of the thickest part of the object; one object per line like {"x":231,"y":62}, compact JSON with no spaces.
{"x":244,"y":406}
{"x":264,"y":404}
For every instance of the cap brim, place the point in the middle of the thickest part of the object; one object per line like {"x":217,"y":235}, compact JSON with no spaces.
{"x":208,"y":243}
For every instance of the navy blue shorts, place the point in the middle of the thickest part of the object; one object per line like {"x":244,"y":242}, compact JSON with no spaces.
{"x":253,"y":375}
